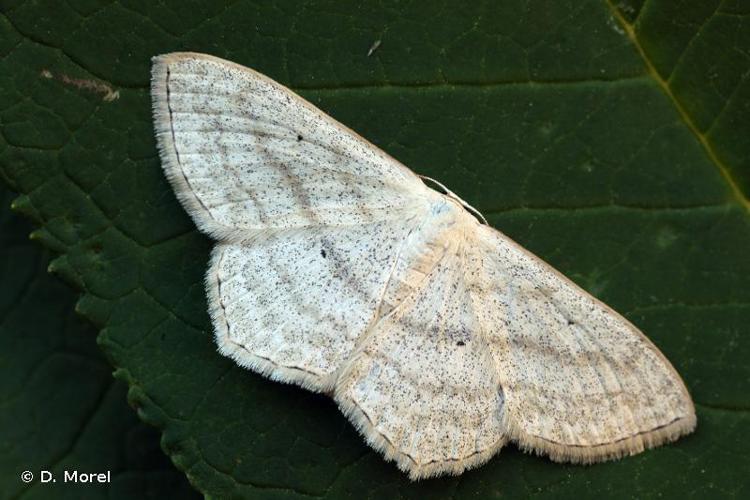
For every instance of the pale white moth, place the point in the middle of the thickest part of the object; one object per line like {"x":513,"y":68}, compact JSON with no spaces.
{"x":336,"y":268}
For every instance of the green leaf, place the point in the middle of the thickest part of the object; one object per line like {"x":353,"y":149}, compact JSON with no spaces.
{"x":61,"y":409}
{"x":610,"y":139}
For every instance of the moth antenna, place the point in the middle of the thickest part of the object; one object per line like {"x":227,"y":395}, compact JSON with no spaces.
{"x":453,"y":195}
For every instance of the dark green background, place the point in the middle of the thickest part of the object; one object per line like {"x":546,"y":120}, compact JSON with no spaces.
{"x":59,"y":405}
{"x":609,"y":138}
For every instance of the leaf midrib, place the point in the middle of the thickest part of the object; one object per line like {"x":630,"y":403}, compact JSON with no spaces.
{"x":734,"y":188}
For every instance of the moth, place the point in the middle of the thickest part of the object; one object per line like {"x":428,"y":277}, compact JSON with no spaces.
{"x":337,"y":269}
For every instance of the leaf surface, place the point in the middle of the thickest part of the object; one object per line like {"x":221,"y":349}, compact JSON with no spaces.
{"x":61,"y":409}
